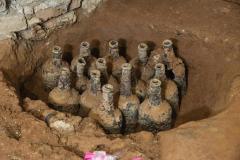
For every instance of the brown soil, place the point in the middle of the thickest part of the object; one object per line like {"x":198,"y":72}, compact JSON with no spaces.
{"x":206,"y":35}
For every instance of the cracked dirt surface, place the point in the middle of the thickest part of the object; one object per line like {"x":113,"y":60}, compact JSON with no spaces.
{"x":206,"y":34}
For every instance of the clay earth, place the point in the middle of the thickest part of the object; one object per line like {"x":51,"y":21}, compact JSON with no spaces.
{"x":206,"y":35}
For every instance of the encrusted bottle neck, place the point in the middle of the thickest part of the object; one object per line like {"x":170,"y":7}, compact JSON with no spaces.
{"x":81,"y":67}
{"x":95,"y":81}
{"x":64,"y":81}
{"x":142,"y":53}
{"x":114,"y":48}
{"x":84,"y":49}
{"x":155,"y":92}
{"x":167,"y":45}
{"x":160,"y":72}
{"x":57,"y":56}
{"x":101,"y":65}
{"x":107,"y":97}
{"x":126,"y":88}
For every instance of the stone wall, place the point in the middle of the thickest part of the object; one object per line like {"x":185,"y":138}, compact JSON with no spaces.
{"x":35,"y":19}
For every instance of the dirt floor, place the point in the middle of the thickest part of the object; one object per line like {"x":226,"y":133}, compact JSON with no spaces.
{"x":206,"y":35}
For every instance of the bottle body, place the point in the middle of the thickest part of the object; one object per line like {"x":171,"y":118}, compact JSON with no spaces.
{"x":114,"y":60}
{"x":63,"y":97}
{"x":128,"y":102}
{"x":155,"y":114}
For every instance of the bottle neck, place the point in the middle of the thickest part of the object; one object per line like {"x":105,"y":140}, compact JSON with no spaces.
{"x":114,"y":52}
{"x":107,"y":97}
{"x":57,"y":62}
{"x":142,"y":53}
{"x":84,"y":49}
{"x":126,"y":88}
{"x":155,"y":92}
{"x":64,"y":82}
{"x":102,"y":67}
{"x":57,"y":56}
{"x":160,"y":72}
{"x":95,"y":82}
{"x":114,"y":48}
{"x":81,"y":67}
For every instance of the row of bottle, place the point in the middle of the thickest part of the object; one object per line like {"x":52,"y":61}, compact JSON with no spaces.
{"x":65,"y":98}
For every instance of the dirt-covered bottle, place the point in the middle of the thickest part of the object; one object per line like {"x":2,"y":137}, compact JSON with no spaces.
{"x":155,"y":114}
{"x":63,"y":97}
{"x":91,"y":98}
{"x":114,"y":60}
{"x":51,"y":69}
{"x":170,"y":89}
{"x":128,"y":102}
{"x":141,"y":68}
{"x":106,"y":114}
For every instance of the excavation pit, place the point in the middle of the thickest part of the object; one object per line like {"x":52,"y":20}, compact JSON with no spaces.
{"x":205,"y":115}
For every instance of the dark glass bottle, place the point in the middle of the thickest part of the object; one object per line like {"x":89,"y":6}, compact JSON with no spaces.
{"x":63,"y":97}
{"x":51,"y":69}
{"x":114,"y":60}
{"x":155,"y":114}
{"x":128,"y":102}
{"x":106,"y":115}
{"x":170,"y":89}
{"x":91,"y":98}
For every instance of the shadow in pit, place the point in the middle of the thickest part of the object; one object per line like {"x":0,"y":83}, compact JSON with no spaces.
{"x":195,"y":115}
{"x":68,"y":53}
{"x":95,"y":44}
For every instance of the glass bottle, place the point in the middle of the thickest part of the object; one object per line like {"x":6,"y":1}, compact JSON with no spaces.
{"x":82,"y":80}
{"x":142,"y":69}
{"x":170,"y":89}
{"x":51,"y":69}
{"x":128,"y":102}
{"x":63,"y":97}
{"x":155,"y":114}
{"x":114,"y":59}
{"x":91,"y":98}
{"x":106,"y":115}
{"x":59,"y":121}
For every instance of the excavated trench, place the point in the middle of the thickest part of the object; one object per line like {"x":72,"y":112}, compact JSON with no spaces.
{"x":209,"y":73}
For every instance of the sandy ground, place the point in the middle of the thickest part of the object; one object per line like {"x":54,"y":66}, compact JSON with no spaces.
{"x":207,"y":36}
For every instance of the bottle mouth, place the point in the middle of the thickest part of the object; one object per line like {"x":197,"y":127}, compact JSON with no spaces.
{"x":82,"y":61}
{"x":95,"y":73}
{"x":101,"y":61}
{"x":126,"y":66}
{"x":167,"y":43}
{"x":143,"y":46}
{"x":85,"y":44}
{"x":113,"y":44}
{"x":160,"y":66}
{"x":107,"y":88}
{"x":155,"y":83}
{"x":57,"y":50}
